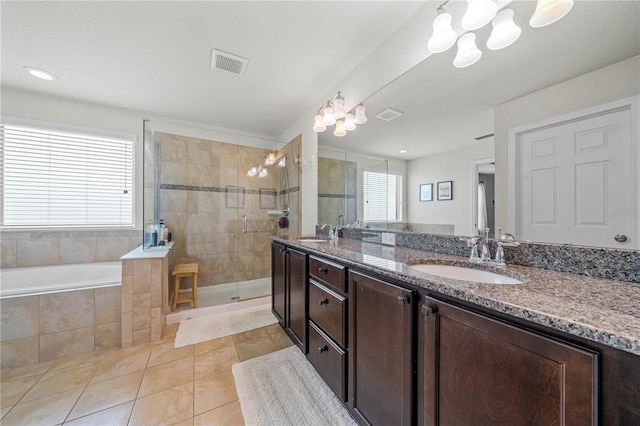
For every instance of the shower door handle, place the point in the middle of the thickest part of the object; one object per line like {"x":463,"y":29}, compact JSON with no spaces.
{"x":244,"y":223}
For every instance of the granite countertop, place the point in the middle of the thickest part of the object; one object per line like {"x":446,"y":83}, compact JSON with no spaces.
{"x":601,"y":310}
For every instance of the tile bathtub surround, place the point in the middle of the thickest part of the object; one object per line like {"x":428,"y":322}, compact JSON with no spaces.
{"x":148,"y":384}
{"x":20,"y":249}
{"x":596,"y":309}
{"x":597,"y":262}
{"x":51,"y":326}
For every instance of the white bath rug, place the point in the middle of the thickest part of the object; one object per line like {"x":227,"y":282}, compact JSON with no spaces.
{"x":283,"y":388}
{"x":195,"y":330}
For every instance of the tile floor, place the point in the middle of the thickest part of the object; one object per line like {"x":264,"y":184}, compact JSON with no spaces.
{"x":152,"y":384}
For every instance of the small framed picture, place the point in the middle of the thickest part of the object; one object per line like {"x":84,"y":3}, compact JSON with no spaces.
{"x":445,"y":190}
{"x":426,"y":192}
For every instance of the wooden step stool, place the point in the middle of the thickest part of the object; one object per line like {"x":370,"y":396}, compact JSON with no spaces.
{"x":185,"y":270}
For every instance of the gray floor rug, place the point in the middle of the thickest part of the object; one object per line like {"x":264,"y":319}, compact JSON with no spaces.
{"x":195,"y":330}
{"x":283,"y":388}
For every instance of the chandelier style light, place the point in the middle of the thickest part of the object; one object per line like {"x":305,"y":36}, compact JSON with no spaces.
{"x":334,"y":113}
{"x":270,"y":159}
{"x":478,"y":14}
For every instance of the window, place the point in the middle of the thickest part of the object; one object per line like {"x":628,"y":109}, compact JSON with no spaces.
{"x":56,"y":176}
{"x":382,"y":196}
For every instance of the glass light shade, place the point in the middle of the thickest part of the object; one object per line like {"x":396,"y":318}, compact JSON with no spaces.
{"x":340,"y":131}
{"x":270,"y":159}
{"x":360,"y":117}
{"x":549,"y":11}
{"x":252,"y":171}
{"x":319,"y":126}
{"x":468,"y":53}
{"x":479,"y":13}
{"x":349,"y":124}
{"x":338,"y":107}
{"x":443,"y":36}
{"x":263,"y":173}
{"x":328,"y":118}
{"x":505,"y":32}
{"x":282,"y":161}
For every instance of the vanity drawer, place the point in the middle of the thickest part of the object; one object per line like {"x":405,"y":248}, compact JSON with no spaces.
{"x":328,"y":310}
{"x":329,"y":360}
{"x":332,"y":274}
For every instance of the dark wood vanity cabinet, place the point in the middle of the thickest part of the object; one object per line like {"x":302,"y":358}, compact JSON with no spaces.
{"x":474,"y":370}
{"x":289,"y":292}
{"x":381,"y":351}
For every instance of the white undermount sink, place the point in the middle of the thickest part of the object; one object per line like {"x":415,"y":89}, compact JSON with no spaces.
{"x":465,"y":274}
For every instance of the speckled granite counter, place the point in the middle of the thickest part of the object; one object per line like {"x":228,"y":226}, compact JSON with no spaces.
{"x":600,"y":310}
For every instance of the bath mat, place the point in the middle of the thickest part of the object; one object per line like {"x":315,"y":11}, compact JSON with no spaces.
{"x":283,"y":388}
{"x":195,"y":330}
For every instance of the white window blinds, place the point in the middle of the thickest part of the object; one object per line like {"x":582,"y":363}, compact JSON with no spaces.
{"x":382,"y":196}
{"x":54,"y":176}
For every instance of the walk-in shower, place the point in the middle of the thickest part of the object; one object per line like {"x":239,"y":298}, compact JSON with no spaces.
{"x":222,"y":203}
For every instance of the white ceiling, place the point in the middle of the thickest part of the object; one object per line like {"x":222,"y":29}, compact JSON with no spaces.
{"x":155,"y":57}
{"x":446,"y":108}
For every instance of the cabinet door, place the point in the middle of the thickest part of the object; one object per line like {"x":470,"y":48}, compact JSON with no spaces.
{"x":278,"y":282}
{"x":380,"y":352}
{"x":478,"y":371}
{"x":297,"y":305}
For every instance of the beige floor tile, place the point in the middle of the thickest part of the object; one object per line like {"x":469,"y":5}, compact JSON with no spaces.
{"x":114,"y":416}
{"x":227,"y":415}
{"x":281,"y":339}
{"x":186,"y":422}
{"x":75,"y":361}
{"x":214,"y":391}
{"x":61,"y":381}
{"x":51,"y":410}
{"x":166,"y":407}
{"x":212,"y":345}
{"x":255,"y":348}
{"x":12,"y":390}
{"x":29,"y":370}
{"x":107,"y":394}
{"x":4,"y":411}
{"x":214,"y":362}
{"x":170,"y":330}
{"x":166,"y":376}
{"x":164,"y":352}
{"x":122,"y":362}
{"x":251,"y":335}
{"x":273,"y":328}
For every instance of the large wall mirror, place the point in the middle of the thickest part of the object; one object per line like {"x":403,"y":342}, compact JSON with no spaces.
{"x":455,"y":123}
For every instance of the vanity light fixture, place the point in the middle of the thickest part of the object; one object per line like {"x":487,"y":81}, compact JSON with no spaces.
{"x":41,"y":74}
{"x":549,"y":11}
{"x":479,"y":13}
{"x":270,"y":159}
{"x":334,"y":112}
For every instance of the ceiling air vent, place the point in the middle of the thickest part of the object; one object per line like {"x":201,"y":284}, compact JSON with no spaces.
{"x":227,"y":62}
{"x":389,"y":114}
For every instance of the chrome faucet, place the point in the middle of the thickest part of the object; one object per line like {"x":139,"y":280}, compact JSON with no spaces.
{"x":341,"y":221}
{"x":479,"y":256}
{"x":333,"y":231}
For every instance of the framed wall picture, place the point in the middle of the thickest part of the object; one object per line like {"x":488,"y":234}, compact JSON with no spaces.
{"x":426,"y":192}
{"x":445,"y":190}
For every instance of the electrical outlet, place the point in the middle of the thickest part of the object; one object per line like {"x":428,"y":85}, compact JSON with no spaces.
{"x":388,"y":239}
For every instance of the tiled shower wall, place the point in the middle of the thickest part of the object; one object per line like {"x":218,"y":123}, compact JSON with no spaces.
{"x":337,"y":187}
{"x":20,"y":249}
{"x":204,"y":192}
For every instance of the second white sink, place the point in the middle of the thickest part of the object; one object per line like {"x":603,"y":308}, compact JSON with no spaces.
{"x":465,"y":274}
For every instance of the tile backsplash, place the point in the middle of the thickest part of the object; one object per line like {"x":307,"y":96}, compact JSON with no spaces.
{"x":20,"y":249}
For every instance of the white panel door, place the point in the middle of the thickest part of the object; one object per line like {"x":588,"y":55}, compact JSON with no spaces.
{"x":576,"y":182}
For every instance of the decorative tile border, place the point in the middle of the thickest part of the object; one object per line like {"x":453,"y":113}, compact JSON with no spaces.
{"x":226,"y":190}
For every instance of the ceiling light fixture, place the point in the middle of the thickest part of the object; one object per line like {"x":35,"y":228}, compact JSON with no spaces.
{"x":334,"y":112}
{"x":42,"y":74}
{"x":478,"y":14}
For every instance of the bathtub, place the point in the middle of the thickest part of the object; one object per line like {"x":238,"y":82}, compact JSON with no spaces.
{"x":38,"y":280}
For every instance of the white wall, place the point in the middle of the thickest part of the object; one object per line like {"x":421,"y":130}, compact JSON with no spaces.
{"x":455,"y":165}
{"x":607,"y":84}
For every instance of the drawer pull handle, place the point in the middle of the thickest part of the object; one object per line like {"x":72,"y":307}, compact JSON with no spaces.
{"x":428,"y":310}
{"x":282,"y":250}
{"x":323,"y":348}
{"x":323,"y":270}
{"x":324,"y":302}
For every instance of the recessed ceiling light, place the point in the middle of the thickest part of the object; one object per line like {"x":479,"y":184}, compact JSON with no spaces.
{"x":40,"y":73}
{"x":403,"y":151}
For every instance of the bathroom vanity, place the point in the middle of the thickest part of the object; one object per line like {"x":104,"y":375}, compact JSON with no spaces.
{"x":400,"y":346}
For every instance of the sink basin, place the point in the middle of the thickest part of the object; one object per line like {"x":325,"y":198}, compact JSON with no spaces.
{"x":465,"y":274}
{"x":312,"y":240}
